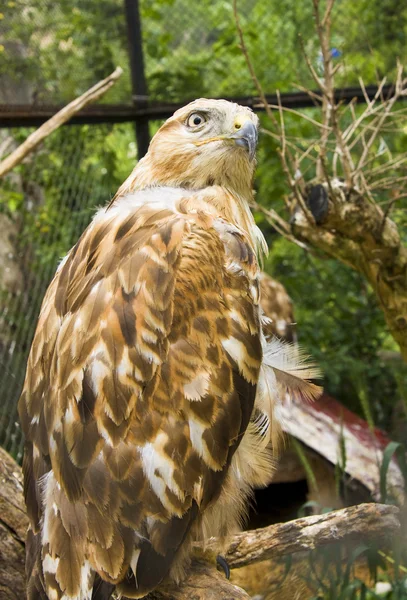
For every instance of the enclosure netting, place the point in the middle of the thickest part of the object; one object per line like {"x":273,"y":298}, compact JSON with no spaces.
{"x":51,"y":51}
{"x":54,"y":195}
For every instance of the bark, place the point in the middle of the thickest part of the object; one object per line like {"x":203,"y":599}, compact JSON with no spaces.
{"x":362,"y":522}
{"x":357,"y":232}
{"x":365,"y":522}
{"x":13,"y":526}
{"x":204,"y":582}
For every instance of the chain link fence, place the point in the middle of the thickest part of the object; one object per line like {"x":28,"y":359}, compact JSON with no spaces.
{"x":46,"y":204}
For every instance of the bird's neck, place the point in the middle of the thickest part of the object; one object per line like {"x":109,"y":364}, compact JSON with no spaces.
{"x":165,"y":171}
{"x":230,"y":196}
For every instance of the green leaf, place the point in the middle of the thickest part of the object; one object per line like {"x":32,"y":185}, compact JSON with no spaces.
{"x":391,"y":449}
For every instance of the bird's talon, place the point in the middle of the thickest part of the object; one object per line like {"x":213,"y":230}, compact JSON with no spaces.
{"x":223,"y":564}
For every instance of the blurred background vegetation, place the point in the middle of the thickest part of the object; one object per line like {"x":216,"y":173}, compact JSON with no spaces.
{"x":52,"y":51}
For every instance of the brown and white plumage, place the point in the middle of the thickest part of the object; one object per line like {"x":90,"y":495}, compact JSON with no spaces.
{"x":278,"y":308}
{"x":139,"y":405}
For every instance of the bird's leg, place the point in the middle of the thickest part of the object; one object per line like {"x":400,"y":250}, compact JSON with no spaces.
{"x":210,"y":556}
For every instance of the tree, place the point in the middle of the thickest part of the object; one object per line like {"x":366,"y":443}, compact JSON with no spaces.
{"x":337,"y":186}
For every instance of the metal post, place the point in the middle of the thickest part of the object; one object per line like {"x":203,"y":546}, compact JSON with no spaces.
{"x":138,"y":78}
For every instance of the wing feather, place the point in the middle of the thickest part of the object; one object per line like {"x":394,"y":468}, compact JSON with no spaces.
{"x":142,"y":380}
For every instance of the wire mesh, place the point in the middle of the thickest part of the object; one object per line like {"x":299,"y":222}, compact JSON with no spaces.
{"x":192,"y":49}
{"x":45,"y":207}
{"x":52,"y":51}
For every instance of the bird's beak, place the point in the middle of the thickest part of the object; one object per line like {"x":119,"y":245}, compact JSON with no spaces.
{"x":246,"y":137}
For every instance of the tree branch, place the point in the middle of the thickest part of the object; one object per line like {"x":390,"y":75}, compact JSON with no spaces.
{"x":61,"y":117}
{"x":358,"y":233}
{"x":362,"y":522}
{"x":353,"y":229}
{"x":365,"y":522}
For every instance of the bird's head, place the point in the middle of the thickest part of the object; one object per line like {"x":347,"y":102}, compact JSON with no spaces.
{"x":207,"y":142}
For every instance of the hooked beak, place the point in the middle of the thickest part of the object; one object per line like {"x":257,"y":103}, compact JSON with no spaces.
{"x":246,"y":137}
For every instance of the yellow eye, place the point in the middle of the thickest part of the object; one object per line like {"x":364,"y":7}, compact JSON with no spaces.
{"x":196,"y":119}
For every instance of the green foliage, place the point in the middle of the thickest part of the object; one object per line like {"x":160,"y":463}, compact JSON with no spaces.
{"x":337,"y":578}
{"x":335,"y":572}
{"x":56,"y":50}
{"x":392,"y":449}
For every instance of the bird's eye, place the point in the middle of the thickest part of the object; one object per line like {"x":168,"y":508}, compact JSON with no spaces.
{"x":196,"y":119}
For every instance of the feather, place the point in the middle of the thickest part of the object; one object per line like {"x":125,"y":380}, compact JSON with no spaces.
{"x":285,"y":369}
{"x":292,"y":368}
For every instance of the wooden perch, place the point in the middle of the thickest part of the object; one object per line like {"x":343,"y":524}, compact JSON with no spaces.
{"x":365,"y":522}
{"x":204,"y":582}
{"x":13,"y":527}
{"x":61,"y":117}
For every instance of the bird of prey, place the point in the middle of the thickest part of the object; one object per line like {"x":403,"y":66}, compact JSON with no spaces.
{"x":147,"y":404}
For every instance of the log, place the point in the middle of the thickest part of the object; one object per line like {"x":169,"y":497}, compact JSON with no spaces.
{"x":61,"y":117}
{"x":204,"y":582}
{"x":13,"y":527}
{"x":365,"y":522}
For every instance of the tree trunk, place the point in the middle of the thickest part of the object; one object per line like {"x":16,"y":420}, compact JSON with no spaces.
{"x":358,"y":233}
{"x":13,"y":526}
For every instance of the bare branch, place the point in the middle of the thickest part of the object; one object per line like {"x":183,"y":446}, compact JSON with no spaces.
{"x":388,"y":182}
{"x":315,"y":77}
{"x":362,"y":522}
{"x":6,"y":145}
{"x":386,"y":110}
{"x":61,"y":117}
{"x":281,"y":226}
{"x":391,"y":164}
{"x":290,"y":144}
{"x":367,"y":112}
{"x":252,"y":72}
{"x":298,"y":113}
{"x":328,"y":11}
{"x":316,"y":97}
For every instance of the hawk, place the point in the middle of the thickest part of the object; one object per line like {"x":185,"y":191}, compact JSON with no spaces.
{"x":148,"y":398}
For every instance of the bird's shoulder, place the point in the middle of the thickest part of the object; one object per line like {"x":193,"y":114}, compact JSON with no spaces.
{"x":155,"y":227}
